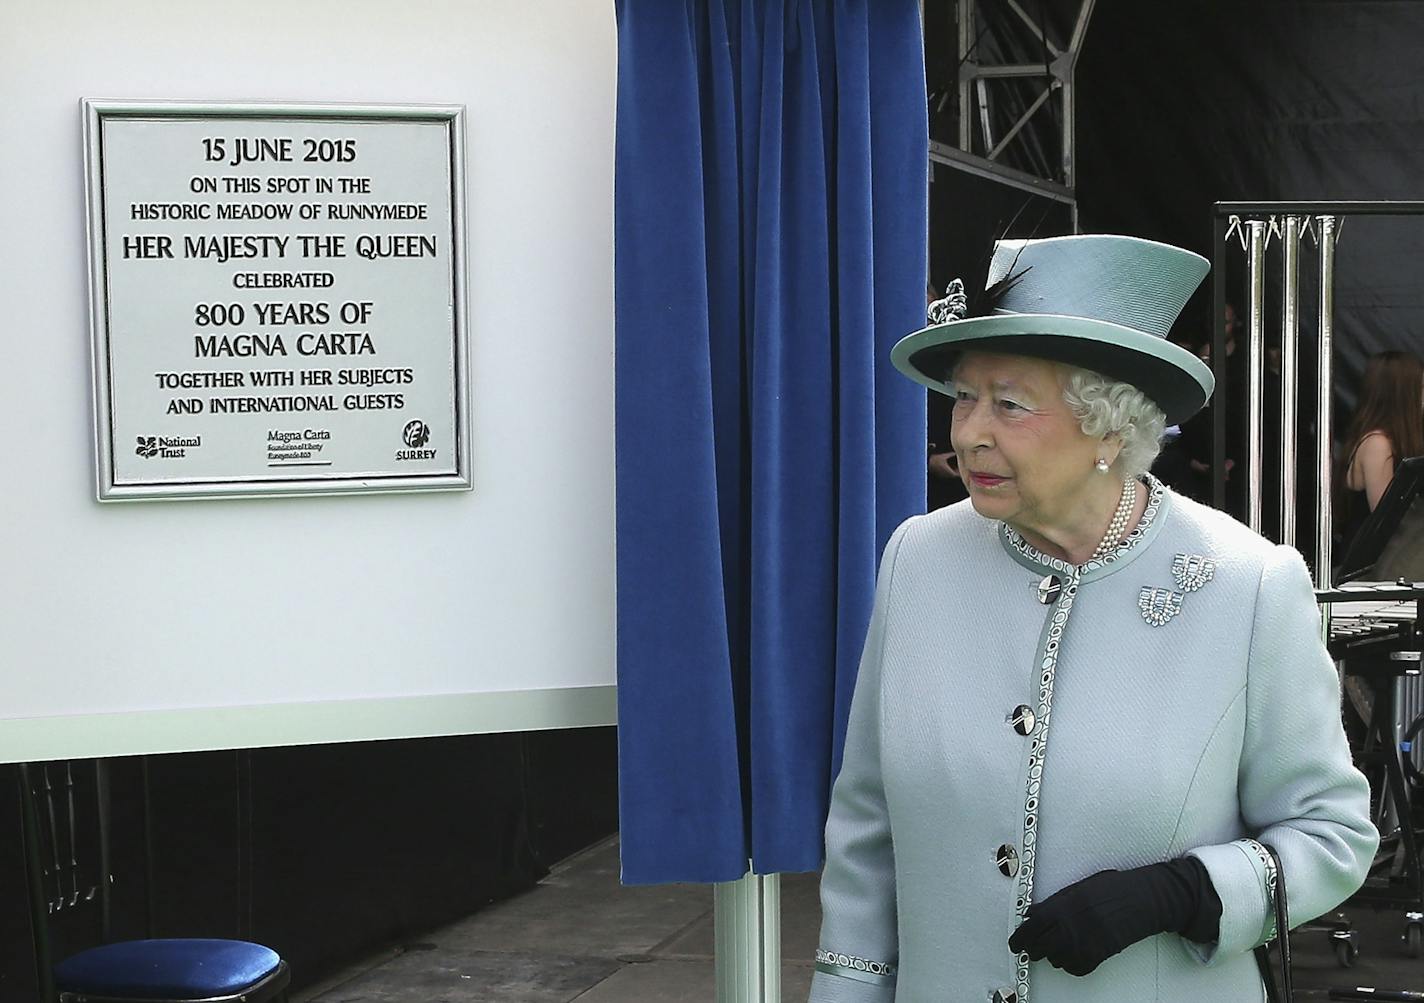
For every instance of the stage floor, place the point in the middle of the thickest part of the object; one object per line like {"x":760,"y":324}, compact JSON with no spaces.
{"x":581,"y":936}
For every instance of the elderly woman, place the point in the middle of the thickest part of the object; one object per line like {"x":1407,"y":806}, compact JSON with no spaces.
{"x":1085,"y":703}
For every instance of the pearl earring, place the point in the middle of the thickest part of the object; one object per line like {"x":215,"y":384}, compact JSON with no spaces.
{"x":1101,"y":466}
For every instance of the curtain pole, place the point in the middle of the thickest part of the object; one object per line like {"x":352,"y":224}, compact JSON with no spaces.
{"x":747,"y":918}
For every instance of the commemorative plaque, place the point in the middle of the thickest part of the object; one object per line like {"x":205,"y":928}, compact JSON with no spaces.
{"x":278,"y":298}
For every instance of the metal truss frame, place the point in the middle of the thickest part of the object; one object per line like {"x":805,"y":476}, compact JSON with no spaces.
{"x":976,"y":90}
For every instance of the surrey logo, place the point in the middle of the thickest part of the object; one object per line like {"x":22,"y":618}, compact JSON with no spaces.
{"x":147,"y":446}
{"x":416,"y":434}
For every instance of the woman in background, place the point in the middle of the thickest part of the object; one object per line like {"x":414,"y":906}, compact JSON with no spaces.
{"x":1388,"y":427}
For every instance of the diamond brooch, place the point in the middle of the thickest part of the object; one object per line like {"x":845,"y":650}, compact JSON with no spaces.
{"x":1190,"y":572}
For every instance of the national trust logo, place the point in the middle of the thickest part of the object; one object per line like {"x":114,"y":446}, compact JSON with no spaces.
{"x":167,"y":447}
{"x":416,"y":434}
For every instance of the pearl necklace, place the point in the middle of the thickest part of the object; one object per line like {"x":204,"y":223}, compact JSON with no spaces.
{"x":1119,"y":522}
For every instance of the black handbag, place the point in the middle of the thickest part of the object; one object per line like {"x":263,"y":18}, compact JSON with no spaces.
{"x":1282,"y":991}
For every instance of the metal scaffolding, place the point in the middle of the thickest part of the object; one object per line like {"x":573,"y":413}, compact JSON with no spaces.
{"x":1016,"y":117}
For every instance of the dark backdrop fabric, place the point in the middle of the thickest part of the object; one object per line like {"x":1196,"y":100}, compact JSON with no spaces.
{"x":1181,"y":105}
{"x":770,"y":219}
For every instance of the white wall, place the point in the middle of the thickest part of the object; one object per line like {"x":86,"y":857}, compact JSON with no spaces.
{"x":146,"y":627}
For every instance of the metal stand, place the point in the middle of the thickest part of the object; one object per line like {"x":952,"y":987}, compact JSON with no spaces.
{"x":748,"y":939}
{"x":1257,"y":223}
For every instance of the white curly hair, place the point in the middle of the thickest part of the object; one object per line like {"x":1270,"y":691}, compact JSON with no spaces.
{"x":1106,"y":407}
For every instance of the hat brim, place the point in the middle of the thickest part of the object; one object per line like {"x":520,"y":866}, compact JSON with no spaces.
{"x":1175,"y":379}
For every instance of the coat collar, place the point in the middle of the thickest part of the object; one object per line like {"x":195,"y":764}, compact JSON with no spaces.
{"x":1135,"y":543}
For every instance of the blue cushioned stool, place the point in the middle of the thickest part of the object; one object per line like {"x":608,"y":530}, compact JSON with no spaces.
{"x":171,"y":970}
{"x":56,"y":802}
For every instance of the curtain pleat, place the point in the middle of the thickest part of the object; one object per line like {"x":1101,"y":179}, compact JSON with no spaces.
{"x":770,"y":213}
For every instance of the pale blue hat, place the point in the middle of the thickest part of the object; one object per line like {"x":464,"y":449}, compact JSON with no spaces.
{"x":1097,"y":301}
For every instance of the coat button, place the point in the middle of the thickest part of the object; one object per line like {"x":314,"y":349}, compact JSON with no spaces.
{"x":1049,"y":589}
{"x":1022,"y":719}
{"x":1003,"y":996}
{"x":1008,"y":860}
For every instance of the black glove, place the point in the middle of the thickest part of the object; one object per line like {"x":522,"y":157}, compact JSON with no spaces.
{"x":1081,"y":926}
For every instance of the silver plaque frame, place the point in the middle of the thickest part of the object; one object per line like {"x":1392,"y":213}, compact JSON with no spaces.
{"x":256,"y":483}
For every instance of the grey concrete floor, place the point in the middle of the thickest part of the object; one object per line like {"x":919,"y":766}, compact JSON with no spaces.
{"x":580,"y":936}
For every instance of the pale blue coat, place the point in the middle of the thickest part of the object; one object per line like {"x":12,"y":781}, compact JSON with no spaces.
{"x":1217,"y":727}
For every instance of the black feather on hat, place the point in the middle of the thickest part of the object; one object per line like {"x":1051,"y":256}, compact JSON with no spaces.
{"x":972,"y":295}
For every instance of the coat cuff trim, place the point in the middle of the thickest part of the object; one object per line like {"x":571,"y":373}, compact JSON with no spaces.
{"x":875,"y":973}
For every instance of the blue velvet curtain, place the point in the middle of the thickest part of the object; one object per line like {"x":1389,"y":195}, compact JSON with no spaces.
{"x":770,"y":215}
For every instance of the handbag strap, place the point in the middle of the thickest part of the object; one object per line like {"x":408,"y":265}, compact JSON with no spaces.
{"x":1284,"y":991}
{"x":1268,"y":977}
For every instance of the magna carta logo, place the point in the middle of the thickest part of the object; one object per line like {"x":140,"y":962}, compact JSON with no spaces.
{"x":415,"y":434}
